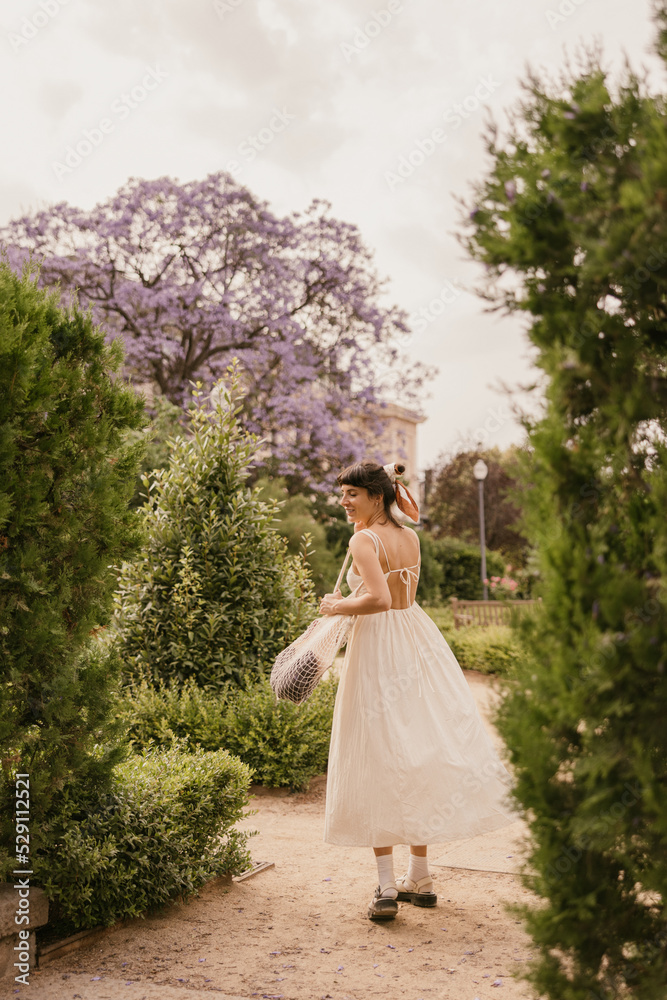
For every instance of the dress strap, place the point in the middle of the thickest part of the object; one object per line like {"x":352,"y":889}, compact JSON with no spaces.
{"x":376,"y":538}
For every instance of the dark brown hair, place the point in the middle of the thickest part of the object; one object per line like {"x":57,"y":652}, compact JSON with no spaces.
{"x":372,"y":477}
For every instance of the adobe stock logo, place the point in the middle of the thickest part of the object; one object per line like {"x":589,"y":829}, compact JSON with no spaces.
{"x":33,"y":23}
{"x":364,"y":35}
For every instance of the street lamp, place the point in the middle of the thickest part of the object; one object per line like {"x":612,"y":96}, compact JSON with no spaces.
{"x":481,"y":471}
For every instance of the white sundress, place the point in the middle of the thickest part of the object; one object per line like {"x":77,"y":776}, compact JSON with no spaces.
{"x":410,"y":761}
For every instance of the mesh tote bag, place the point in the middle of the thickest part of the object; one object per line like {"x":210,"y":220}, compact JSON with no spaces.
{"x":299,"y":668}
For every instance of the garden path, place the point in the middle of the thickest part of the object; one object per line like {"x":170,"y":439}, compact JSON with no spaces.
{"x":299,"y":931}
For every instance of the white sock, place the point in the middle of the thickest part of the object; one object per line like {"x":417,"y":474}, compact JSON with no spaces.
{"x":418,"y":868}
{"x":385,"y":863}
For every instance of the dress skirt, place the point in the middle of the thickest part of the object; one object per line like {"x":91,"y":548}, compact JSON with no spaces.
{"x":410,"y":761}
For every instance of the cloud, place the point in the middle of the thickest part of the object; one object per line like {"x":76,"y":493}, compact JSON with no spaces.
{"x":57,"y":97}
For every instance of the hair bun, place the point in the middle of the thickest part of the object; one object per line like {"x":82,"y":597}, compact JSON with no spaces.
{"x":400,"y":469}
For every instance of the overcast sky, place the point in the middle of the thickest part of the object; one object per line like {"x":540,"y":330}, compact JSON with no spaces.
{"x":307,"y":99}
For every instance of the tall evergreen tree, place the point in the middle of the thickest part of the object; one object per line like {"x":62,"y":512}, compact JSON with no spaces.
{"x":66,"y":477}
{"x":572,"y":212}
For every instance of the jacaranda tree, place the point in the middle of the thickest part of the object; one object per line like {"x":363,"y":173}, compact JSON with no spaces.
{"x":192,"y":275}
{"x":66,"y":476}
{"x":571,"y":225}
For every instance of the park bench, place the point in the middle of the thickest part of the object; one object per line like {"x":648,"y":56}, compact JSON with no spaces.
{"x":487,"y":612}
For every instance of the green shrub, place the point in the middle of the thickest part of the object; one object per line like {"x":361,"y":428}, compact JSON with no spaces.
{"x":460,"y":567}
{"x":429,"y":588}
{"x":295,"y":519}
{"x":215,"y":594}
{"x":66,"y":476}
{"x":284,"y":744}
{"x":494,"y":649}
{"x":164,"y":827}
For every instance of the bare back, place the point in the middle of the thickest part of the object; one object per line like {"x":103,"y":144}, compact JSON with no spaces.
{"x":399,"y":556}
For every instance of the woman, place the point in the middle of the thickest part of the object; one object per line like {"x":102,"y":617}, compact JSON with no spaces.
{"x":410,"y":761}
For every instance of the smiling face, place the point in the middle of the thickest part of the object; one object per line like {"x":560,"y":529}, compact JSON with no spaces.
{"x":358,"y":505}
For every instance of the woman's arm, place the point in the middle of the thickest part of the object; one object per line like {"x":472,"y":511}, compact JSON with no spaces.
{"x":377,"y":598}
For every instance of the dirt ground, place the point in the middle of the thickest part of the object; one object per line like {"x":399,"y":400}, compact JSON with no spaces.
{"x":299,"y":931}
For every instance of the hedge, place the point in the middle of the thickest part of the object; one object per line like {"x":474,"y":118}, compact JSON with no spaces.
{"x":163,"y":828}
{"x":494,"y":649}
{"x":451,"y":568}
{"x":284,"y":744}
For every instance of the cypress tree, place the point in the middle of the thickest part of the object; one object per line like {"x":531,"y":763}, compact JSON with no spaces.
{"x":571,"y":224}
{"x":66,"y":476}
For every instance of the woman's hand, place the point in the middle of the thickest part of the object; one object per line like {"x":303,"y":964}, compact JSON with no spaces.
{"x":328,"y":601}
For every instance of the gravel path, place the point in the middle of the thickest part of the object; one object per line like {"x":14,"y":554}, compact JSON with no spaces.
{"x":299,"y":931}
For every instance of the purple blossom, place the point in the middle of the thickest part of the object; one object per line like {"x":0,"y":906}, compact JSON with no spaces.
{"x":510,"y":190}
{"x":191,"y":275}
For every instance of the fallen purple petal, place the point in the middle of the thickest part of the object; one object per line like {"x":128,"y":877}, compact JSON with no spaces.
{"x":95,"y":979}
{"x":497,"y":982}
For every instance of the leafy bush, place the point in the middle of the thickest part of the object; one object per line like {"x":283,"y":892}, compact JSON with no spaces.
{"x":164,"y":827}
{"x":429,"y":588}
{"x":66,"y":476}
{"x":284,"y":744}
{"x":460,"y":567}
{"x":168,"y":421}
{"x":493,"y":649}
{"x":296,"y":518}
{"x":215,"y":594}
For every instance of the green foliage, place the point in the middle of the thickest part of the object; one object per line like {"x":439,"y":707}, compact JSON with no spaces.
{"x":429,"y":588}
{"x":296,"y":518}
{"x":162,"y":828}
{"x":284,"y":744}
{"x":168,"y":422}
{"x":574,"y":209}
{"x":453,"y":501}
{"x":66,"y":477}
{"x":491,"y":650}
{"x":460,"y":567}
{"x":214,"y":595}
{"x":494,"y":649}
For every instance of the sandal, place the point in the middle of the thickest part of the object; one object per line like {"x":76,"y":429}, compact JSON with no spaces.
{"x":413,"y":892}
{"x":383,"y":907}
